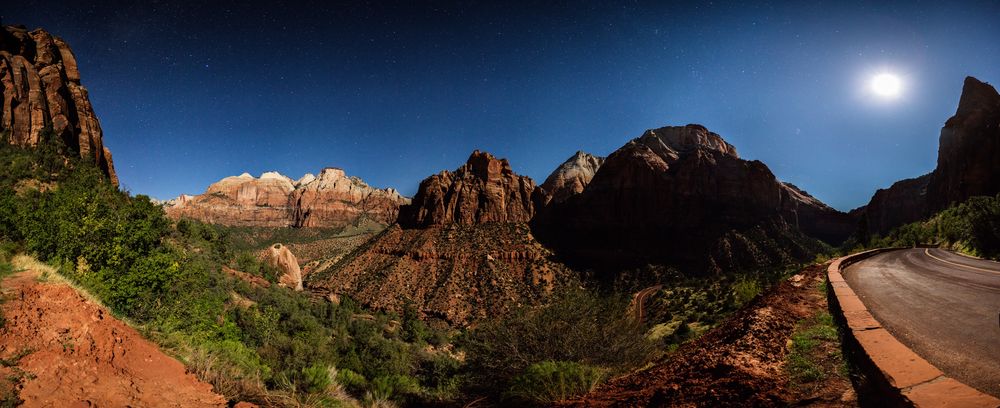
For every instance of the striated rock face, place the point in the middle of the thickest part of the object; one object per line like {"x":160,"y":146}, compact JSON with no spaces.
{"x":330,"y":200}
{"x":279,"y":257}
{"x":461,"y":251}
{"x":42,"y":90}
{"x":571,"y":177}
{"x":968,"y":165}
{"x":484,"y":189}
{"x":669,"y":197}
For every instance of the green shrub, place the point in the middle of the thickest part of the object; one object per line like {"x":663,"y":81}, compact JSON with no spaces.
{"x":351,"y":380}
{"x":746,"y":288}
{"x":577,"y":325}
{"x":317,"y":378}
{"x":553,"y":381}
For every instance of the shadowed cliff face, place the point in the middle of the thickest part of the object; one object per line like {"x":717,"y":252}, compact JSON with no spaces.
{"x":42,"y":90}
{"x":670,"y":196}
{"x":968,"y":165}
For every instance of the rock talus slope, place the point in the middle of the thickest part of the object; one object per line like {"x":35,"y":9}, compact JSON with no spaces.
{"x":42,"y":90}
{"x":331,"y":199}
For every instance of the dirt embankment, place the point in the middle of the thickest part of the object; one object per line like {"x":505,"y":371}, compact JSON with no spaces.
{"x":63,"y":350}
{"x":742,"y":362}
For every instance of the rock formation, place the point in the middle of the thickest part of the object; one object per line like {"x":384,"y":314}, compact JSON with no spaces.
{"x":42,"y":93}
{"x":330,"y":200}
{"x":484,"y":189}
{"x":279,"y":257}
{"x":669,"y":197}
{"x":462,"y":250}
{"x":968,"y":165}
{"x":571,"y":177}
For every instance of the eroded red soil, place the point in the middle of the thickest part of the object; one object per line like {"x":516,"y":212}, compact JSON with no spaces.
{"x":76,"y":354}
{"x":740,"y":363}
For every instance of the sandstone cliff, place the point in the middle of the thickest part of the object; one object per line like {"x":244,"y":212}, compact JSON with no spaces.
{"x":968,"y":165}
{"x":671,"y":196}
{"x":461,"y":251}
{"x":42,"y":91}
{"x":484,"y":189}
{"x":331,"y":199}
{"x":571,"y":177}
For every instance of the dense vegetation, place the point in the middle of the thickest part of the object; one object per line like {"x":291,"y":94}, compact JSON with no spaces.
{"x":267,"y":345}
{"x":972,"y":227}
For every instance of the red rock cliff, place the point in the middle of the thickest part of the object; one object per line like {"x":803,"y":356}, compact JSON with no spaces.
{"x":42,"y":90}
{"x":484,"y":189}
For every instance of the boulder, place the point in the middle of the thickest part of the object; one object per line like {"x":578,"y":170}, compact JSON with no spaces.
{"x":279,"y":257}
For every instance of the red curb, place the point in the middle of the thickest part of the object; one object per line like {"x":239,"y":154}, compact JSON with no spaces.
{"x":911,"y":379}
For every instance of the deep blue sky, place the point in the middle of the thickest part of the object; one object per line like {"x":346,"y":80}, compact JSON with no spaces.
{"x":190,"y":92}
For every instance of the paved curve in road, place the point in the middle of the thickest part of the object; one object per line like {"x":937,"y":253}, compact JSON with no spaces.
{"x":944,"y":306}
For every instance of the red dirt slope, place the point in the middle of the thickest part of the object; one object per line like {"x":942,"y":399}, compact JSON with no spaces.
{"x":82,"y":356}
{"x":740,"y":363}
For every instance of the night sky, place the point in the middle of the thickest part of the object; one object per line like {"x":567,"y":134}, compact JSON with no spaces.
{"x":190,"y":92}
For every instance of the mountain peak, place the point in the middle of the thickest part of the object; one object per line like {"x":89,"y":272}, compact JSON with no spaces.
{"x":976,"y":95}
{"x":484,"y":189}
{"x":673,"y":141}
{"x":486,"y":166}
{"x":572,"y":176}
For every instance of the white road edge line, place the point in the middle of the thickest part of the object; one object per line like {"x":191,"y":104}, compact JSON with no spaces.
{"x":927,"y":251}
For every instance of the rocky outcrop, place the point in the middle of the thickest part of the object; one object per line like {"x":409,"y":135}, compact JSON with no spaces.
{"x":42,"y":93}
{"x":279,"y":257}
{"x":968,"y":165}
{"x":460,"y":252}
{"x":571,"y":177}
{"x":331,"y":199}
{"x":669,"y":197}
{"x":484,"y":189}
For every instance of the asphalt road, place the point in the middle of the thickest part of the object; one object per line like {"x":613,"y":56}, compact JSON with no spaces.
{"x":944,"y":306}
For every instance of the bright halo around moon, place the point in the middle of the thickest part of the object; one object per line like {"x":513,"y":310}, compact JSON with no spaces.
{"x":886,"y":85}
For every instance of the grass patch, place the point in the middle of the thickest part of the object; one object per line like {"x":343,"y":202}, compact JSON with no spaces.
{"x":813,"y":348}
{"x":549,"y":382}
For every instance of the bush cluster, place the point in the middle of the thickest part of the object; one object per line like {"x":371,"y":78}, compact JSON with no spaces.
{"x":578,"y":326}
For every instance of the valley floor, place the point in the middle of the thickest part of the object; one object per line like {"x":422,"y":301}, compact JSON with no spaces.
{"x":61,"y":349}
{"x":781,"y":349}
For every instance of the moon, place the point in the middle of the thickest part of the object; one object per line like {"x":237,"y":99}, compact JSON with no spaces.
{"x":886,"y":85}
